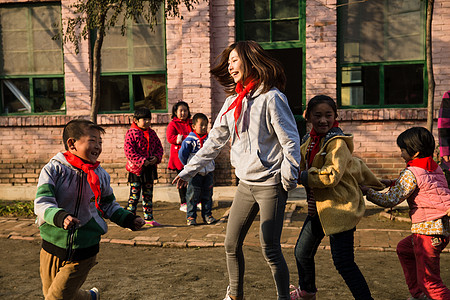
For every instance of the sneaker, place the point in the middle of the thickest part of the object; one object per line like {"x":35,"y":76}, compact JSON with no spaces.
{"x":95,"y":295}
{"x":298,"y":294}
{"x":199,"y":207}
{"x":227,"y":296}
{"x":191,"y":222}
{"x":210,"y":220}
{"x":152,"y":223}
{"x":183,"y":207}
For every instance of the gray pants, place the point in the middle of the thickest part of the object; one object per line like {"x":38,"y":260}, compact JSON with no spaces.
{"x":270,"y":201}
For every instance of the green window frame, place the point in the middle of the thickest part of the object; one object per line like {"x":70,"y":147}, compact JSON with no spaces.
{"x":381,"y":54}
{"x":31,"y":59}
{"x":279,"y":26}
{"x":134,"y":68}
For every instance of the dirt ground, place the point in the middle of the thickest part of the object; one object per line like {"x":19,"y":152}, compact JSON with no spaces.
{"x":127,"y":272}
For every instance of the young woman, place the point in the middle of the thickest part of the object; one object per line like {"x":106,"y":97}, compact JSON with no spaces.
{"x":264,"y":151}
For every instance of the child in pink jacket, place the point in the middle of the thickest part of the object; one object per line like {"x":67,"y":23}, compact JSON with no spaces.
{"x":144,"y":151}
{"x":422,"y":183}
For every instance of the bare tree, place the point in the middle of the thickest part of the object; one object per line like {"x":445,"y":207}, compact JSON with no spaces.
{"x":431,"y":83}
{"x":96,"y":16}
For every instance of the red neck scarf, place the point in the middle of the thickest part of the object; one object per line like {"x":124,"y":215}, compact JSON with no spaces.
{"x":146,"y":134}
{"x":250,"y":83}
{"x":92,"y":178}
{"x":426,"y":163}
{"x":315,"y":140}
{"x":201,"y":138}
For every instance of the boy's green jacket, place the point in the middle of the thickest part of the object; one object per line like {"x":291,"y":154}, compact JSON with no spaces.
{"x":63,"y":190}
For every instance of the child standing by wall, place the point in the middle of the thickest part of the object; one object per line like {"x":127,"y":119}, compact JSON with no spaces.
{"x":200,"y":187}
{"x":73,"y":195}
{"x":264,"y":151}
{"x":422,"y":183}
{"x":330,"y":175}
{"x":177,"y":130}
{"x":144,"y":151}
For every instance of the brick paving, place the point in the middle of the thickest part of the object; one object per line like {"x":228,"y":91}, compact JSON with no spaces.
{"x":181,"y":236}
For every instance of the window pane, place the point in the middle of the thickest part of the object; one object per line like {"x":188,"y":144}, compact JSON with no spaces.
{"x":403,"y":84}
{"x":284,"y":9}
{"x":377,"y":31}
{"x":150,"y":91}
{"x":352,"y":95}
{"x":360,"y":86}
{"x":259,"y":31}
{"x":140,"y":49}
{"x":16,"y":96}
{"x":47,"y":51}
{"x":26,"y":40}
{"x":49,"y":95}
{"x":114,"y":94}
{"x":256,"y":9}
{"x":285,"y":31}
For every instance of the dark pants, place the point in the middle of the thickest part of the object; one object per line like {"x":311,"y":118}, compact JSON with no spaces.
{"x":342,"y":252}
{"x":182,"y":192}
{"x":199,"y":190}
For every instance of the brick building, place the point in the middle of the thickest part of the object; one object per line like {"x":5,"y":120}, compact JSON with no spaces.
{"x":368,"y":55}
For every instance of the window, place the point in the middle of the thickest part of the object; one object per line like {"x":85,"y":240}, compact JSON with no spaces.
{"x":279,"y":27}
{"x":31,"y":61}
{"x":381,"y":53}
{"x":134,"y":68}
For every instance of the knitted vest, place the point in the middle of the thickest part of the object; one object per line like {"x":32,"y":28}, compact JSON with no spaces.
{"x":431,"y":199}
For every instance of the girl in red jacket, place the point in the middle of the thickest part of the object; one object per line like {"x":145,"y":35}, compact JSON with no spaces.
{"x":177,"y":130}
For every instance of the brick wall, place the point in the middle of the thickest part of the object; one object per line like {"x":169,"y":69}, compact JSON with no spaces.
{"x":28,"y":142}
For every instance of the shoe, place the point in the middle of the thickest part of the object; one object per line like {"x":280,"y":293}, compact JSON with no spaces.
{"x":227,"y":296}
{"x":210,"y":220}
{"x":199,"y":207}
{"x":191,"y":222}
{"x":95,"y":295}
{"x":298,"y":294}
{"x":183,"y":207}
{"x":152,"y":223}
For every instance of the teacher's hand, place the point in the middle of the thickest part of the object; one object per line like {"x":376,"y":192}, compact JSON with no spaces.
{"x":179,"y":182}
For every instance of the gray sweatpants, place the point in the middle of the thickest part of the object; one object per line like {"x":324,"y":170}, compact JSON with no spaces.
{"x":270,"y":201}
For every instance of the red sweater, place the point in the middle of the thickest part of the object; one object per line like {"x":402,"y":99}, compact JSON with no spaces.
{"x":176,"y":127}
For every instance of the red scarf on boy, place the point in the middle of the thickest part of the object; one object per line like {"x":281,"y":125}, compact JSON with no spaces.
{"x":201,"y":138}
{"x":250,"y":83}
{"x":315,"y":142}
{"x":146,"y":134}
{"x":92,"y":178}
{"x":426,"y":163}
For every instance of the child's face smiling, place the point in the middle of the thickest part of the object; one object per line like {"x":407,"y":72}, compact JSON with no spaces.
{"x":322,"y":118}
{"x":200,"y":127}
{"x":88,"y":147}
{"x":182,"y":112}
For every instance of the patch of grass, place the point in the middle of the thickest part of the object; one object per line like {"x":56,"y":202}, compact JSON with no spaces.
{"x":17,"y":209}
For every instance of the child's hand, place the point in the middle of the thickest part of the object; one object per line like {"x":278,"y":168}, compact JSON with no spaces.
{"x":70,"y":221}
{"x":364,"y":189}
{"x":179,"y":138}
{"x":387,"y":182}
{"x":152,"y":160}
{"x":138,"y":223}
{"x":180,"y":182}
{"x":446,"y":158}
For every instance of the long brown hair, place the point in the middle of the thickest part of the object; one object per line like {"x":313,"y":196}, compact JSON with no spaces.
{"x":257,"y":63}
